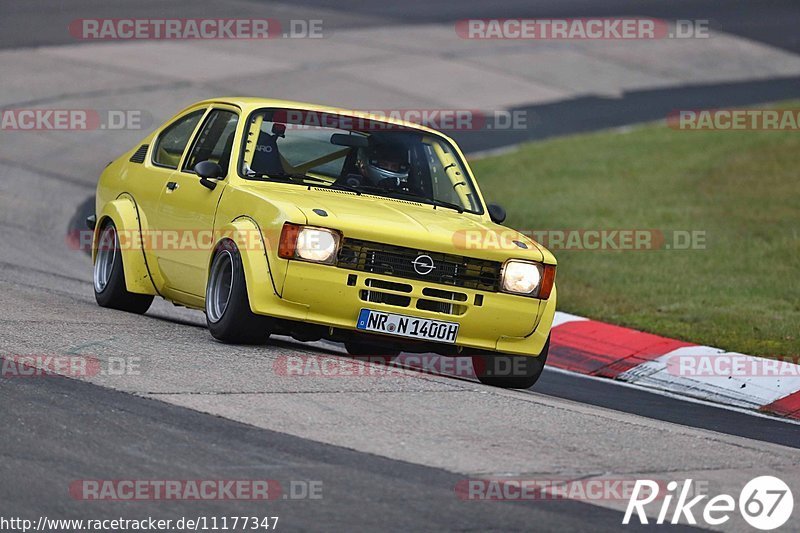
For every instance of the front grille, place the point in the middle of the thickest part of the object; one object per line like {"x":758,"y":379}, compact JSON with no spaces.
{"x":397,"y":261}
{"x":387,"y":285}
{"x":441,"y":307}
{"x":444,"y":295}
{"x":385,"y":298}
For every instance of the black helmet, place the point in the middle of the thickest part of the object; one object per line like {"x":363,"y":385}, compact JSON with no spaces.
{"x":384,"y":162}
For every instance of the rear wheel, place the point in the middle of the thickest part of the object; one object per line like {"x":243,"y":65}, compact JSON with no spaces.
{"x":228,"y":312}
{"x":510,"y":371}
{"x":109,"y":276}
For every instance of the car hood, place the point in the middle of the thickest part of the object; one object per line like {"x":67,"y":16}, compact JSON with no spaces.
{"x":405,"y":223}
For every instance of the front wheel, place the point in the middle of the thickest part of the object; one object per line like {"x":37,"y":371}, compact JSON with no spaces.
{"x":228,"y":312}
{"x":109,"y":276}
{"x":510,"y":371}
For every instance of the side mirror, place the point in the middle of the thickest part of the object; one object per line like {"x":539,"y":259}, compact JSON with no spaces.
{"x":208,"y":170}
{"x":496,"y":213}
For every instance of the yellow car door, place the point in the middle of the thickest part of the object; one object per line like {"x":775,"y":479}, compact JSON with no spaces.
{"x":187,"y":206}
{"x":149,"y":179}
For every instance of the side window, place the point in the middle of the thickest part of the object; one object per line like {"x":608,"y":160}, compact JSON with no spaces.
{"x":173,"y":140}
{"x":215,"y":140}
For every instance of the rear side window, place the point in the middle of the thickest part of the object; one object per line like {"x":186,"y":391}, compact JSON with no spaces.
{"x":215,"y":141}
{"x":173,"y":140}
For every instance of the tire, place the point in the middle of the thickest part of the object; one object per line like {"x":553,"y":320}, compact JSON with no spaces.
{"x":228,"y":314}
{"x":109,"y":276}
{"x":494,"y":369}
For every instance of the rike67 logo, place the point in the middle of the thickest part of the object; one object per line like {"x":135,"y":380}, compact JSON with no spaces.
{"x":765,"y":503}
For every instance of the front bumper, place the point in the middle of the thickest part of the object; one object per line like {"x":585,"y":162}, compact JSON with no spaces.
{"x":332,"y":296}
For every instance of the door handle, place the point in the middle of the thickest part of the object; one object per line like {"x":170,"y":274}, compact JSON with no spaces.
{"x":172,"y":185}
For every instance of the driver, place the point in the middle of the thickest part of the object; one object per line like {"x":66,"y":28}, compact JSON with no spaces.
{"x":384,"y":165}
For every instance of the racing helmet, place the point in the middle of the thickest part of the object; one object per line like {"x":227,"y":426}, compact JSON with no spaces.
{"x":384,"y":163}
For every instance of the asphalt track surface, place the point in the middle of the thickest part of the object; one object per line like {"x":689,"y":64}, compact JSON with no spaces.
{"x":361,"y":491}
{"x":388,"y":451}
{"x":772,"y":22}
{"x":41,"y":22}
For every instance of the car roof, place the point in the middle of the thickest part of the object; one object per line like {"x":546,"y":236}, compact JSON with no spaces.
{"x":249,"y":104}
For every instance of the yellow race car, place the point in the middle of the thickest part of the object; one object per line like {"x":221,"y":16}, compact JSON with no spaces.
{"x":278,"y":217}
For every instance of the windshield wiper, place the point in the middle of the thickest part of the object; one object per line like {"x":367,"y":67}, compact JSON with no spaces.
{"x":288,"y":177}
{"x":442,"y":203}
{"x":380,"y":191}
{"x":302,"y":178}
{"x":424,"y":199}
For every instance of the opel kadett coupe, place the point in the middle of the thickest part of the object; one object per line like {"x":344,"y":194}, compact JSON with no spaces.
{"x":283,"y":218}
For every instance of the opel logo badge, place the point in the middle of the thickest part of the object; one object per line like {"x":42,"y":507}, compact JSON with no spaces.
{"x":423,"y":265}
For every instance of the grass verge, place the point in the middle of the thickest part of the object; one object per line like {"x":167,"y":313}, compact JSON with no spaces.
{"x":740,"y":292}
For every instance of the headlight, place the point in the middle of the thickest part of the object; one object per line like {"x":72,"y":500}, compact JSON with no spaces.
{"x":529,"y":279}
{"x":315,"y":244}
{"x":521,"y":278}
{"x":308,"y":243}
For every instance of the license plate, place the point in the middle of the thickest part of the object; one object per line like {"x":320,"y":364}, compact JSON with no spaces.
{"x":407,"y":326}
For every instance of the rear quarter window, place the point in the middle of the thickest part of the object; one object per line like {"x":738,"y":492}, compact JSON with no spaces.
{"x":173,"y":140}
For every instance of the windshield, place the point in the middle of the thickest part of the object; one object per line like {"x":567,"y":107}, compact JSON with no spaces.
{"x":363,"y":156}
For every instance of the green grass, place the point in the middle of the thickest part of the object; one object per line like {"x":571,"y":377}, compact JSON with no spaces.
{"x":742,"y":292}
